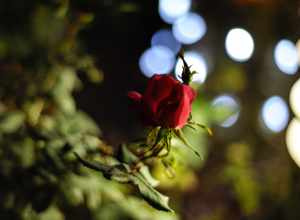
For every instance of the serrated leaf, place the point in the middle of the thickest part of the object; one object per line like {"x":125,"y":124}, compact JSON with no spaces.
{"x":122,"y":173}
{"x":145,"y":172}
{"x":93,"y":165}
{"x":151,"y":195}
{"x":127,"y":156}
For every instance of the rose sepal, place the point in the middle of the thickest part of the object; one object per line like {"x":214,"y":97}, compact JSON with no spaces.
{"x":179,"y":134}
{"x":194,"y":125}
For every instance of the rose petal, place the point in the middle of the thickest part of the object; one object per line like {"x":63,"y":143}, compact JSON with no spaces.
{"x":191,"y":93}
{"x":166,"y":102}
{"x":158,"y":88}
{"x":179,"y":117}
{"x":135,"y":96}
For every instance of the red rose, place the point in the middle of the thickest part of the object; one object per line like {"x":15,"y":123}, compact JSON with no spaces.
{"x":166,"y":102}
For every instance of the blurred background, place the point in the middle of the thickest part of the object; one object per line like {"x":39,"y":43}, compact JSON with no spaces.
{"x":246,"y":55}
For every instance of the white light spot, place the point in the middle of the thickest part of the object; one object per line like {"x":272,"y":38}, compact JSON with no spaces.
{"x":170,"y":10}
{"x":298,"y":49}
{"x":157,"y":60}
{"x":239,"y":44}
{"x":295,"y":98}
{"x":275,"y":114}
{"x":293,"y":140}
{"x":286,"y":56}
{"x":228,"y":106}
{"x":196,"y":62}
{"x":189,"y":29}
{"x":165,"y":38}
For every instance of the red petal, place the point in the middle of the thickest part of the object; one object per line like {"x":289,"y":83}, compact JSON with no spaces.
{"x":181,"y":115}
{"x":191,"y":93}
{"x":176,"y":115}
{"x":135,"y":96}
{"x":158,"y":88}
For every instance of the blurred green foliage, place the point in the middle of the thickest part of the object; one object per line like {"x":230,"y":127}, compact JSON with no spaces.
{"x":40,"y":126}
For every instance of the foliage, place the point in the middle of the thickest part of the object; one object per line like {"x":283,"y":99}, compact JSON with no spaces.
{"x":41,"y":66}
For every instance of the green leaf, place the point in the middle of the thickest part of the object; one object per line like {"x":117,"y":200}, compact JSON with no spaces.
{"x":120,"y":173}
{"x":12,"y":121}
{"x":127,"y":156}
{"x":95,"y":75}
{"x":66,"y":103}
{"x":145,"y":172}
{"x":33,"y":110}
{"x":152,"y":196}
{"x":123,"y":174}
{"x":94,"y":165}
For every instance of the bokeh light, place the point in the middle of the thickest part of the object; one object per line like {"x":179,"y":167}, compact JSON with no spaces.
{"x":275,"y":114}
{"x":293,"y":140}
{"x":295,"y":98}
{"x":196,"y":62}
{"x":170,"y":10}
{"x":239,"y":44}
{"x":157,"y":59}
{"x":189,"y":29}
{"x":286,"y":57}
{"x":226,"y":109}
{"x":298,"y":48}
{"x":165,"y":38}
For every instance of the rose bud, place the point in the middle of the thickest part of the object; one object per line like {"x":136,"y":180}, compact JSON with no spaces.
{"x":166,"y":102}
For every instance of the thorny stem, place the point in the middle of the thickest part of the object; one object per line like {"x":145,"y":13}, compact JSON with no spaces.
{"x":186,"y":72}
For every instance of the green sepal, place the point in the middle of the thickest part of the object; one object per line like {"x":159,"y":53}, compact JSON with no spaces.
{"x":191,"y":124}
{"x":181,"y":137}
